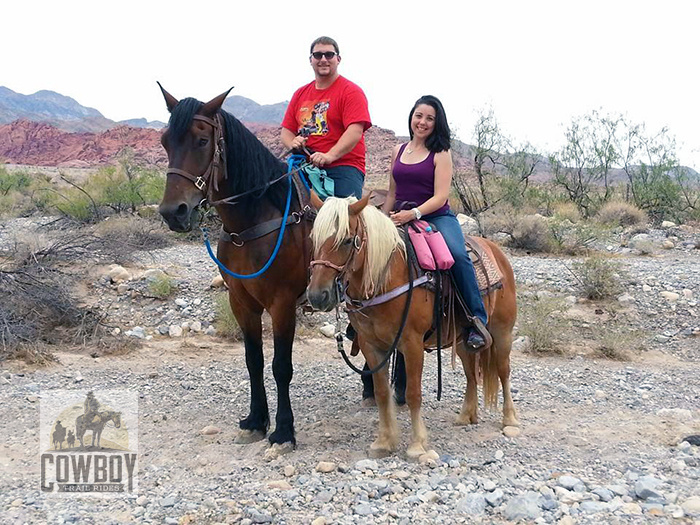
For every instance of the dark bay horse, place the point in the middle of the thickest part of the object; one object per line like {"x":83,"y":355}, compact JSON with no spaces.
{"x":212,"y":156}
{"x":361,"y":246}
{"x":97,"y":425}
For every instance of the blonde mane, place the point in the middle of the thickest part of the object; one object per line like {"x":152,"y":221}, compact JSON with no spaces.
{"x":382,"y":239}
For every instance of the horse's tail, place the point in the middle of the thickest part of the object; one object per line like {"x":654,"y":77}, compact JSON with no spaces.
{"x":489,"y":373}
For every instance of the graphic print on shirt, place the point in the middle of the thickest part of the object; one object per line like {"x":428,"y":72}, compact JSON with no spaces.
{"x":314,"y":120}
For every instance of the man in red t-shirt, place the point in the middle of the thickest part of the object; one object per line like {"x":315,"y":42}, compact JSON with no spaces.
{"x":330,"y":116}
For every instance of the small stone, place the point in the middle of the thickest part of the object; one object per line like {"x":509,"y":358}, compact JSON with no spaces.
{"x":325,"y":466}
{"x":688,"y":294}
{"x":495,"y":498}
{"x":499,"y":455}
{"x":489,"y":486}
{"x":668,"y":245}
{"x":122,"y":288}
{"x":217,"y":282}
{"x":568,"y":482}
{"x":671,"y":297}
{"x":472,"y":504}
{"x":367,"y":464}
{"x":210,"y":330}
{"x":626,"y":299}
{"x":667,"y":224}
{"x":319,"y":521}
{"x":168,"y":502}
{"x":599,"y":394}
{"x":32,"y":398}
{"x":16,"y":503}
{"x":363,"y":509}
{"x":327,"y":330}
{"x":691,"y":505}
{"x":210,"y":430}
{"x":522,"y":508}
{"x":137,"y":332}
{"x":631,"y":508}
{"x":141,"y":501}
{"x":175,"y":331}
{"x":182,"y":303}
{"x":279,"y":484}
{"x":645,"y":488}
{"x":511,"y":432}
{"x":118,"y":274}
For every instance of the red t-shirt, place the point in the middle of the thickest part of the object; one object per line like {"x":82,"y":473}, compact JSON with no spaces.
{"x":326,"y":114}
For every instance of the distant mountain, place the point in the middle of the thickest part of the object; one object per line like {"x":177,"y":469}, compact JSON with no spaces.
{"x":247,"y":110}
{"x":60,"y":111}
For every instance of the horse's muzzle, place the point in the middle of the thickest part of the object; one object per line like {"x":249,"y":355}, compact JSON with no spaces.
{"x":323,"y":299}
{"x":179,"y":216}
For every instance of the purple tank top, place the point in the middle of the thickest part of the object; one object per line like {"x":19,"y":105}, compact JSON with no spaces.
{"x":415,"y":183}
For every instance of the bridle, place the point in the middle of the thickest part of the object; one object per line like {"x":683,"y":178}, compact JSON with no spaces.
{"x":358,"y":243}
{"x":208,"y":181}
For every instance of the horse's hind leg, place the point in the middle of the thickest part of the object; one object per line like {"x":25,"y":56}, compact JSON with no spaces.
{"x":388,"y":437}
{"x":413,"y":355}
{"x":283,"y":322}
{"x":470,"y":405}
{"x":502,"y":342}
{"x":255,"y":425}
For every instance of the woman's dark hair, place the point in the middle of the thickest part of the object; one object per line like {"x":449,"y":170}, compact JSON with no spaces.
{"x":439,"y":139}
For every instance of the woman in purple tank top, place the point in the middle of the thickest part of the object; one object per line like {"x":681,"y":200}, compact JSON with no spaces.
{"x":421,"y":176}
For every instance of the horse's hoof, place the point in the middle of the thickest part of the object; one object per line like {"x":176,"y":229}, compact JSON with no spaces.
{"x":277,"y":450}
{"x":379,"y":452}
{"x":368,"y":402}
{"x":245,"y":437}
{"x":415,"y":451}
{"x":510,"y":422}
{"x":462,"y":421}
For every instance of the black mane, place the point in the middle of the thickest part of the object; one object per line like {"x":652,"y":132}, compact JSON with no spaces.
{"x":249,"y":164}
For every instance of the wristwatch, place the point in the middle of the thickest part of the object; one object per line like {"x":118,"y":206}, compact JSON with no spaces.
{"x":418,"y":213}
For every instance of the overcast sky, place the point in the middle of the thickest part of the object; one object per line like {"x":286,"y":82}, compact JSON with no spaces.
{"x":537,"y":63}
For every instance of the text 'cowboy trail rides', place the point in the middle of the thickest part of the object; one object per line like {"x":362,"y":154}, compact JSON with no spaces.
{"x":89,"y":442}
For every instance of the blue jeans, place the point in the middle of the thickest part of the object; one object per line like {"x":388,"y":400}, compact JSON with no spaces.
{"x":348,"y":180}
{"x":463,"y":269}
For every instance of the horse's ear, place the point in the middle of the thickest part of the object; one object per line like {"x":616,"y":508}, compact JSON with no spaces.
{"x":170,"y":100}
{"x":356,"y":207}
{"x":316,"y":201}
{"x":214,"y":105}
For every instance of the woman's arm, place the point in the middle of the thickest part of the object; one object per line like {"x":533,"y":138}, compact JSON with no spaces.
{"x":391,"y":195}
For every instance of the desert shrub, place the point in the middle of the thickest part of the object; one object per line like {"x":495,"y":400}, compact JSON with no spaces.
{"x":13,"y":181}
{"x":128,"y":234}
{"x":225,"y":322}
{"x":126,"y":188}
{"x":566,"y":211}
{"x":621,"y":214}
{"x":539,"y":320}
{"x":532,"y":233}
{"x":570,"y":238}
{"x":162,"y":286}
{"x":499,"y":219}
{"x":598,"y":277}
{"x":617,"y":342}
{"x":74,"y":204}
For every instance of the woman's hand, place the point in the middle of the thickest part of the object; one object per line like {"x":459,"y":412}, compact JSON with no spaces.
{"x":402,"y":217}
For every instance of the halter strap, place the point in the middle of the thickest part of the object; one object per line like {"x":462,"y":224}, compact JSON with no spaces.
{"x":217,"y":163}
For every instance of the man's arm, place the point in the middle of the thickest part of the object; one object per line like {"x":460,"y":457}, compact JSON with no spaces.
{"x":290,"y":140}
{"x":345,"y":144}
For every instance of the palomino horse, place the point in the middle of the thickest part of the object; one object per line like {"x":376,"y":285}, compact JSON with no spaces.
{"x":361,"y":248}
{"x":97,"y":425}
{"x":212,"y":156}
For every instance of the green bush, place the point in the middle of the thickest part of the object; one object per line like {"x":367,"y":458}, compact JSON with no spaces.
{"x":162,"y":286}
{"x":225,"y":322}
{"x":598,"y":277}
{"x":539,"y":320}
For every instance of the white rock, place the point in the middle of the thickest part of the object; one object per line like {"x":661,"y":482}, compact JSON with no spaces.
{"x":668,"y":245}
{"x":646,"y":288}
{"x":175,"y":331}
{"x":671,"y":297}
{"x":279,"y":484}
{"x":522,"y":344}
{"x":154,"y":274}
{"x":181,"y":302}
{"x":328,"y":330}
{"x":217,"y":282}
{"x":668,"y":224}
{"x":691,"y":505}
{"x":688,"y":294}
{"x":210,"y":430}
{"x":118,"y":274}
{"x":325,"y":466}
{"x":625,"y":299}
{"x":196,"y":326}
{"x":210,"y":330}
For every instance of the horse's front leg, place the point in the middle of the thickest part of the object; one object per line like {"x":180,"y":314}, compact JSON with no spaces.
{"x":388,"y":436}
{"x":256,"y":424}
{"x":283,"y":313}
{"x":413,"y":354}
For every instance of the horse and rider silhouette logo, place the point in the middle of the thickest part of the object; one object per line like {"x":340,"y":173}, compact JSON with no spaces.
{"x":89,"y":420}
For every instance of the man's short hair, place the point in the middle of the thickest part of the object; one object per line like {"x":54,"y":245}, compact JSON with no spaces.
{"x":327,"y":41}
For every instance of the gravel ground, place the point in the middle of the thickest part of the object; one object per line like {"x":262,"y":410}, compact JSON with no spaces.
{"x":600,"y":441}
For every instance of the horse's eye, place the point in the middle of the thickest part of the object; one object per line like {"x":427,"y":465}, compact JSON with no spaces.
{"x":348,"y":241}
{"x":203,"y":142}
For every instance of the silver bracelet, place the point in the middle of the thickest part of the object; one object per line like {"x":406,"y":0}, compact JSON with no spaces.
{"x":418,"y":213}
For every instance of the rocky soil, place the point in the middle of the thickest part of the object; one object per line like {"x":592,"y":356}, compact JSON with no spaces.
{"x":600,"y":441}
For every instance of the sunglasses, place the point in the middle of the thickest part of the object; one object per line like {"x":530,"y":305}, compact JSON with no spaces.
{"x":318,"y":55}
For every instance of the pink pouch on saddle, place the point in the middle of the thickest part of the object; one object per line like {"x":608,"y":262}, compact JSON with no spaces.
{"x":430,"y":246}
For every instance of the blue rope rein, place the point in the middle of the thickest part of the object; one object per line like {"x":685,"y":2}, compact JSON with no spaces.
{"x":280,"y":237}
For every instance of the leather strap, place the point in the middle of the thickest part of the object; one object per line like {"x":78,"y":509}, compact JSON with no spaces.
{"x":354,"y":304}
